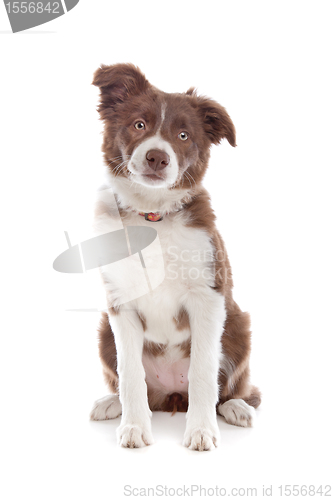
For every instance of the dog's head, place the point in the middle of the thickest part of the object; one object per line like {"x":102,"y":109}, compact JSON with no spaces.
{"x":154,"y":138}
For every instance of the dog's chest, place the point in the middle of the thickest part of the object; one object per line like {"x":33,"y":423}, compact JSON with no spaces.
{"x":182,"y":259}
{"x":188,"y":267}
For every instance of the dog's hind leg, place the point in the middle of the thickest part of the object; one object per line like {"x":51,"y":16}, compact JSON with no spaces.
{"x":108,"y":407}
{"x":237,"y":397}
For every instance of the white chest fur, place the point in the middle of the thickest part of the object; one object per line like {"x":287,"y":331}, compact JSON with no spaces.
{"x":188,"y":268}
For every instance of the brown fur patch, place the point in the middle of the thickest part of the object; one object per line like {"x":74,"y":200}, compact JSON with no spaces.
{"x":118,"y":83}
{"x":186,"y":348}
{"x":217,"y":122}
{"x":254,"y":399}
{"x":222,"y":268}
{"x":200,"y":213}
{"x":182,"y":320}
{"x":236,"y":346}
{"x":153,"y":348}
{"x":111,"y":380}
{"x":108,"y":353}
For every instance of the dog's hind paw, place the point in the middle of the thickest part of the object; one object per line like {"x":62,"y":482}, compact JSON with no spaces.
{"x":106,"y":408}
{"x":237,"y":412}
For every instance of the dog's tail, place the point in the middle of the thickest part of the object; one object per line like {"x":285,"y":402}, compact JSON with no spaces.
{"x":175,"y":402}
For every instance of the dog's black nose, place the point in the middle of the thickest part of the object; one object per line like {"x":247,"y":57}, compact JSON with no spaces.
{"x":157,"y":159}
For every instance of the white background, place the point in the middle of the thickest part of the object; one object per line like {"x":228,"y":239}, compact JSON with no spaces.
{"x":270,"y":64}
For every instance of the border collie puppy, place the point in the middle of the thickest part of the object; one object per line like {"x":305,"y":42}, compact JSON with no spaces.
{"x":183,"y":345}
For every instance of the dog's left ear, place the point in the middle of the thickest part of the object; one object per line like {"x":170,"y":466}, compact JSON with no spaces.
{"x":217,"y":123}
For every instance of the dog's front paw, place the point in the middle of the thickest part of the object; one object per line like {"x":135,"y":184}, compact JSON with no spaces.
{"x":203,"y":438}
{"x":134,"y":436}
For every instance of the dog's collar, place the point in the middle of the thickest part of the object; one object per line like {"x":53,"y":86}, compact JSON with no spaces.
{"x":152,"y":216}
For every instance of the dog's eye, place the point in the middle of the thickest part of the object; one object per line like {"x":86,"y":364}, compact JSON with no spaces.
{"x":183,"y":136}
{"x":139,"y":125}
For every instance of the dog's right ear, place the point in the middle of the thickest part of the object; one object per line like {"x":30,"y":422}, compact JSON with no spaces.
{"x":117,"y":83}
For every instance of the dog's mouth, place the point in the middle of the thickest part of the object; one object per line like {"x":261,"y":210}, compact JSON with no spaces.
{"x":141,"y":174}
{"x":153,"y":177}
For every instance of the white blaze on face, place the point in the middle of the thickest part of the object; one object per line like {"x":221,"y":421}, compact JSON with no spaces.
{"x":163,"y":109}
{"x":138,"y":163}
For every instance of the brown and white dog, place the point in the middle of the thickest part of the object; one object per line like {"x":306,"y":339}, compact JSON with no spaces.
{"x":184,"y":345}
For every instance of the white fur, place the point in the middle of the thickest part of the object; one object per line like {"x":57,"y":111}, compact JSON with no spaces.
{"x":134,"y":436}
{"x":135,"y":427}
{"x":207,"y":315}
{"x":106,"y":408}
{"x":147,"y":198}
{"x":163,"y":110}
{"x":137,"y":162}
{"x":237,"y":412}
{"x":188,"y":260}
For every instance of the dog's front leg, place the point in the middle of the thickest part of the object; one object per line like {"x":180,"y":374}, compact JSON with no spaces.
{"x":207,"y":316}
{"x":135,"y":428}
